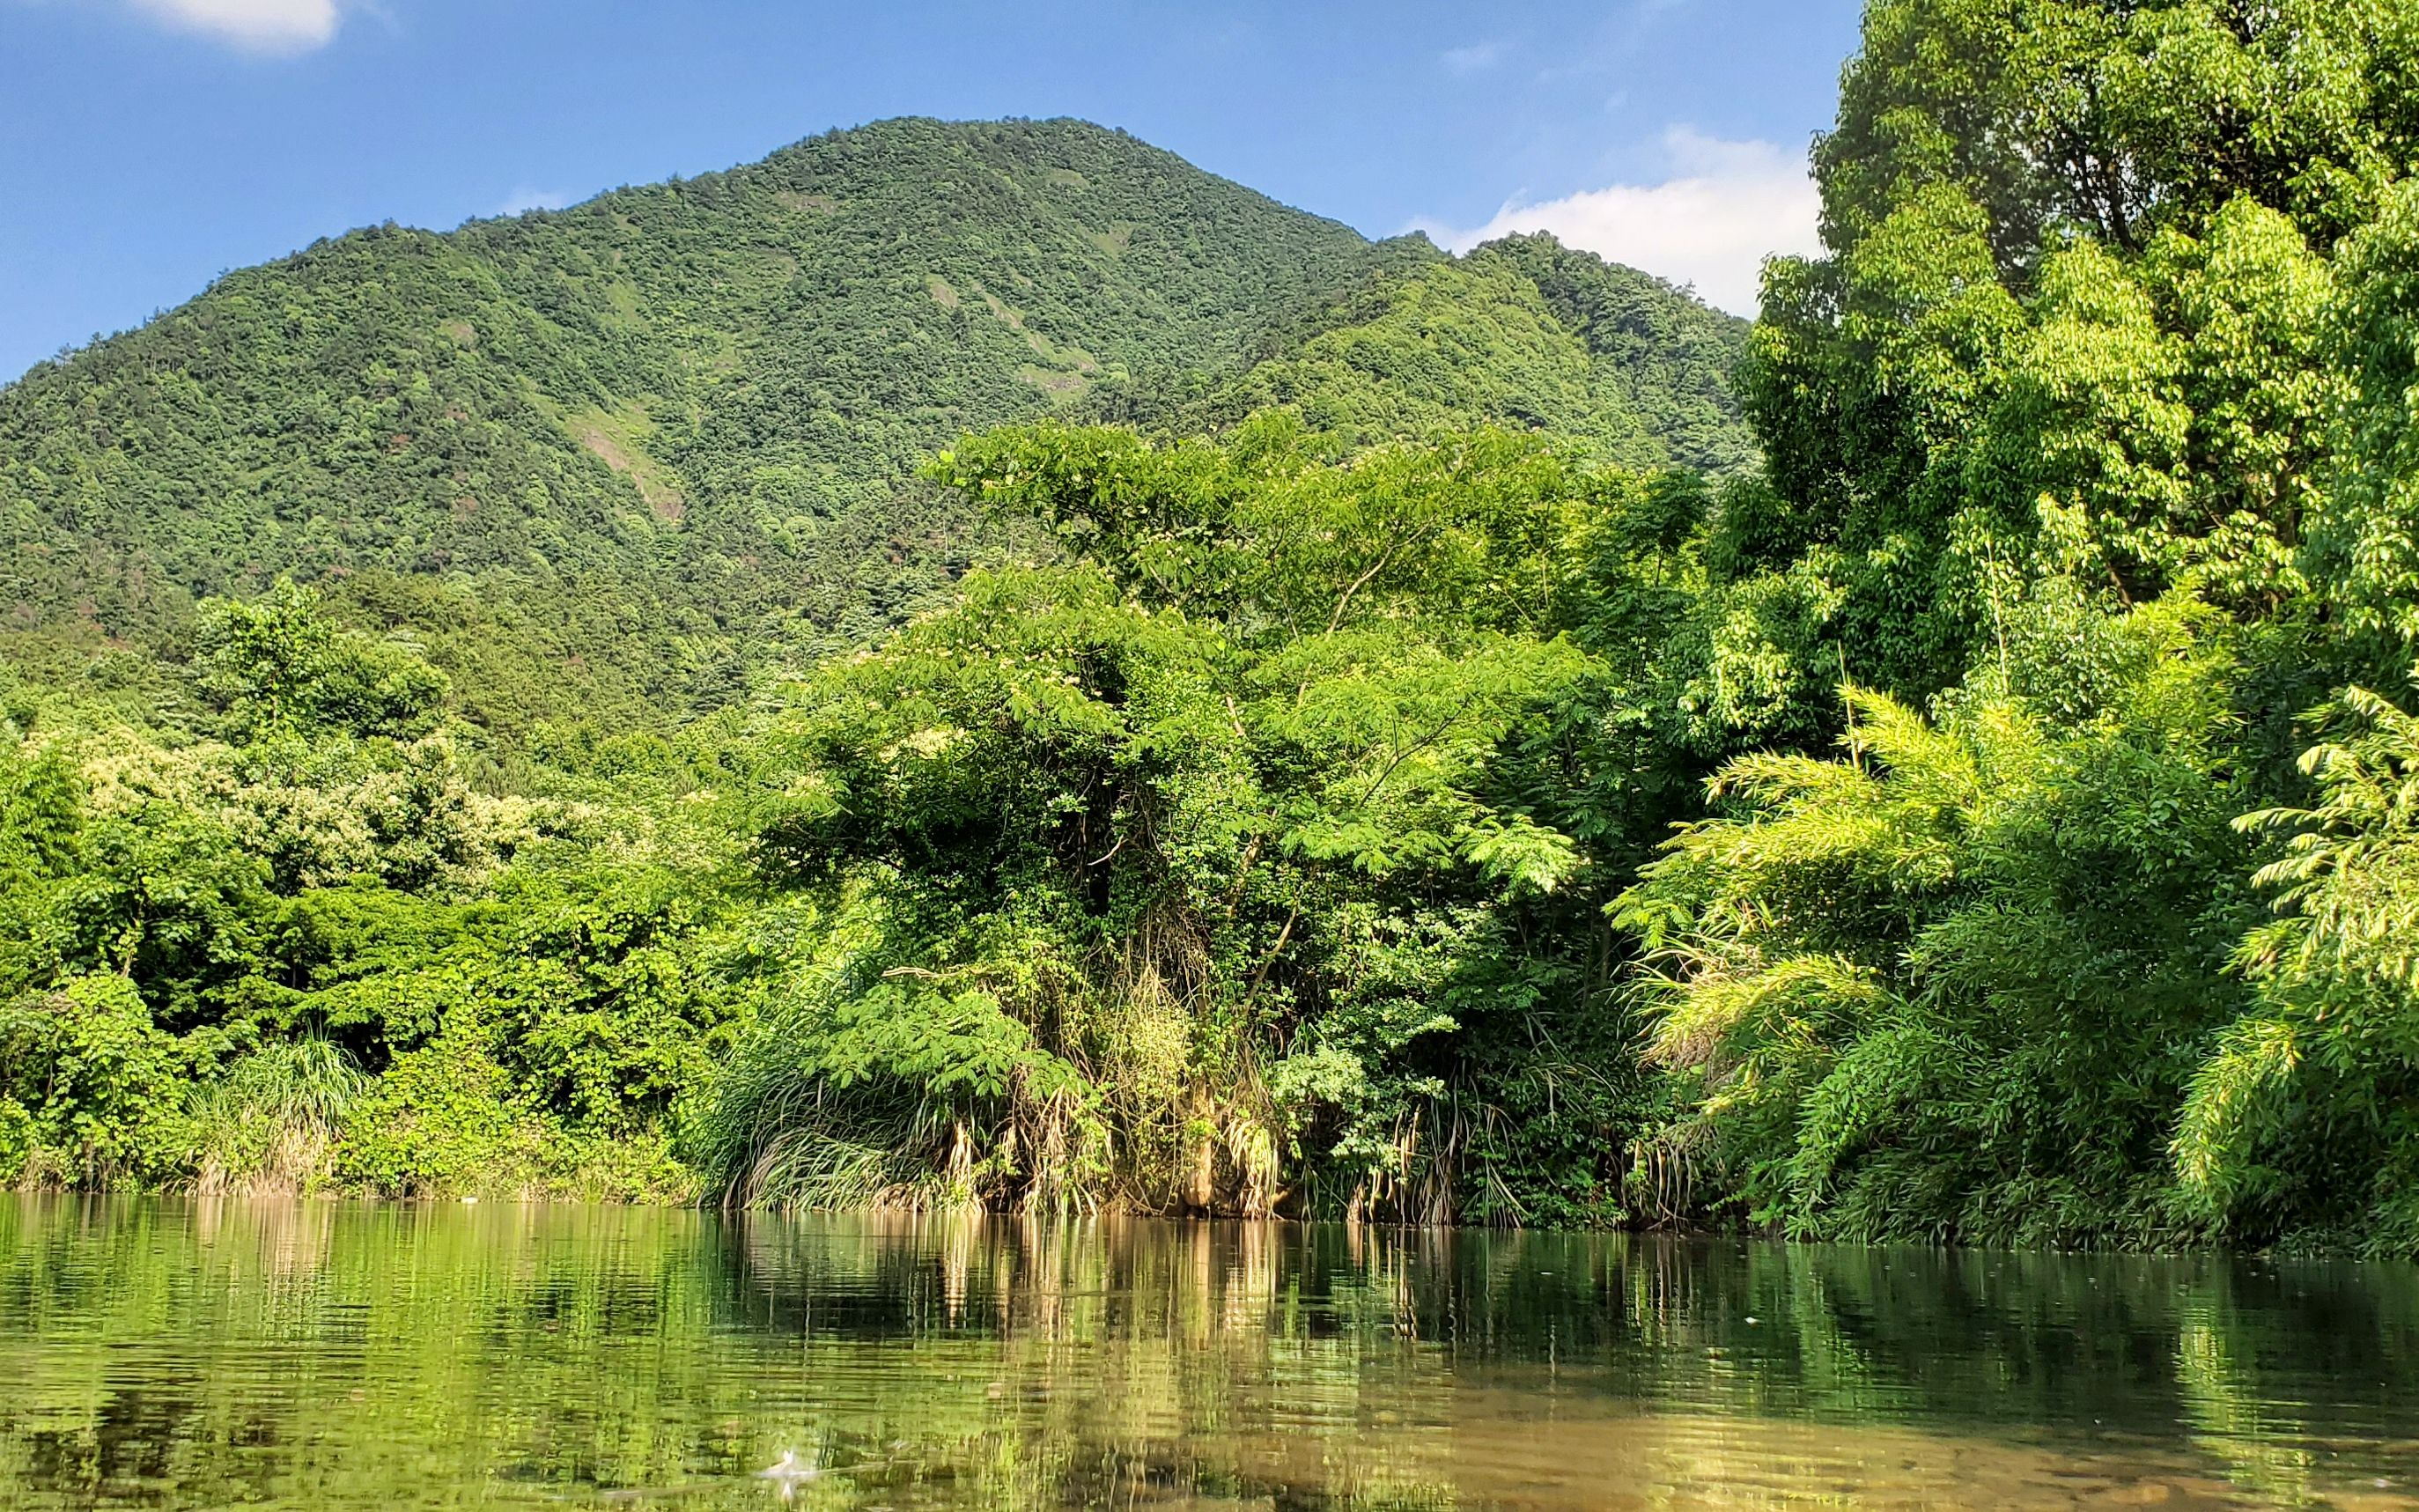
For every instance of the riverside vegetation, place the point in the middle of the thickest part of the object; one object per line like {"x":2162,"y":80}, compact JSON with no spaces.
{"x":1324,"y":728}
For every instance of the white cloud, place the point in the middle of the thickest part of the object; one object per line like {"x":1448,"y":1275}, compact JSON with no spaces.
{"x":255,"y":25}
{"x":524,"y":199}
{"x":1726,"y":207}
{"x":1471,"y":59}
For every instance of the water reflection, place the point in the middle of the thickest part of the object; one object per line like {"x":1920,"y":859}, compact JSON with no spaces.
{"x":207,"y":1353}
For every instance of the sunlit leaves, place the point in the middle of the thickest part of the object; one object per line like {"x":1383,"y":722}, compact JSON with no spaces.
{"x":2304,"y":1103}
{"x":1898,"y":978}
{"x":1231,"y":774}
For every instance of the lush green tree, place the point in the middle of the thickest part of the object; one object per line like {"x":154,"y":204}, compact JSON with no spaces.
{"x":1196,"y":851}
{"x":324,"y":950}
{"x":2308,"y":1110}
{"x":277,"y":664}
{"x":91,"y":1093}
{"x":1951,"y":983}
{"x":2085,"y":449}
{"x":2080,"y":253}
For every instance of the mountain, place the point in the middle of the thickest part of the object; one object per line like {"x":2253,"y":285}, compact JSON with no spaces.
{"x":626,"y":459}
{"x":1522,"y":332}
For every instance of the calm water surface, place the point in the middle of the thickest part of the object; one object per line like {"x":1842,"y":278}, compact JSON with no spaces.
{"x":166,"y":1354}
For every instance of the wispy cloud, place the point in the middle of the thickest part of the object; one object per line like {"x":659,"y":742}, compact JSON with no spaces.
{"x":1725,"y":208}
{"x":525,"y":199}
{"x":1471,"y":59}
{"x":271,"y":26}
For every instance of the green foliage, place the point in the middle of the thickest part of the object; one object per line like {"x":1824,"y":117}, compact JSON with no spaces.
{"x":93,"y":1086}
{"x":873,"y":1096}
{"x":1948,"y":985}
{"x":270,"y":1122}
{"x":2085,"y":439}
{"x":633,"y":458}
{"x":276,"y":664}
{"x":1194,"y":845}
{"x":326,"y":952}
{"x":2073,"y":264}
{"x":443,"y":1118}
{"x":1521,"y":334}
{"x":2307,"y":1111}
{"x":2364,"y":545}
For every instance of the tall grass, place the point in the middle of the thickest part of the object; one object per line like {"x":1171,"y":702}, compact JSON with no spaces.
{"x":272,"y":1126}
{"x":1134,"y":1100}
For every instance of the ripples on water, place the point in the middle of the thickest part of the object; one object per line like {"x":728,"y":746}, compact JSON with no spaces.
{"x":342,"y":1355}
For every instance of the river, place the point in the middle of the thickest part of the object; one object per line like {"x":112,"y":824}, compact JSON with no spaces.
{"x":168,"y":1353}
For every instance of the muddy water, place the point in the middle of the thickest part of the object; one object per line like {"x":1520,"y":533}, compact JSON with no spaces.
{"x":167,"y":1355}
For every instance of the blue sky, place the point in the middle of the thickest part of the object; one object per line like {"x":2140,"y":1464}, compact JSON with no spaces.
{"x":153,"y":144}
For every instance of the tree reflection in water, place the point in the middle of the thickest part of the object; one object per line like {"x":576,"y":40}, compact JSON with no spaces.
{"x":340,"y":1355}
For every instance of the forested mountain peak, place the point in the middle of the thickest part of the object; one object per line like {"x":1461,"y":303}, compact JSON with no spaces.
{"x":643,"y":452}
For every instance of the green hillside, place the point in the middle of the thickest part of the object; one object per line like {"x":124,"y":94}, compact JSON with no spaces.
{"x":682,"y":411}
{"x":632,"y":457}
{"x":1524,"y":334}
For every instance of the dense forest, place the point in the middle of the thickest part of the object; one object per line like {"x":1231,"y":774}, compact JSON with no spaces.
{"x":641,"y":456}
{"x":1306,"y":727}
